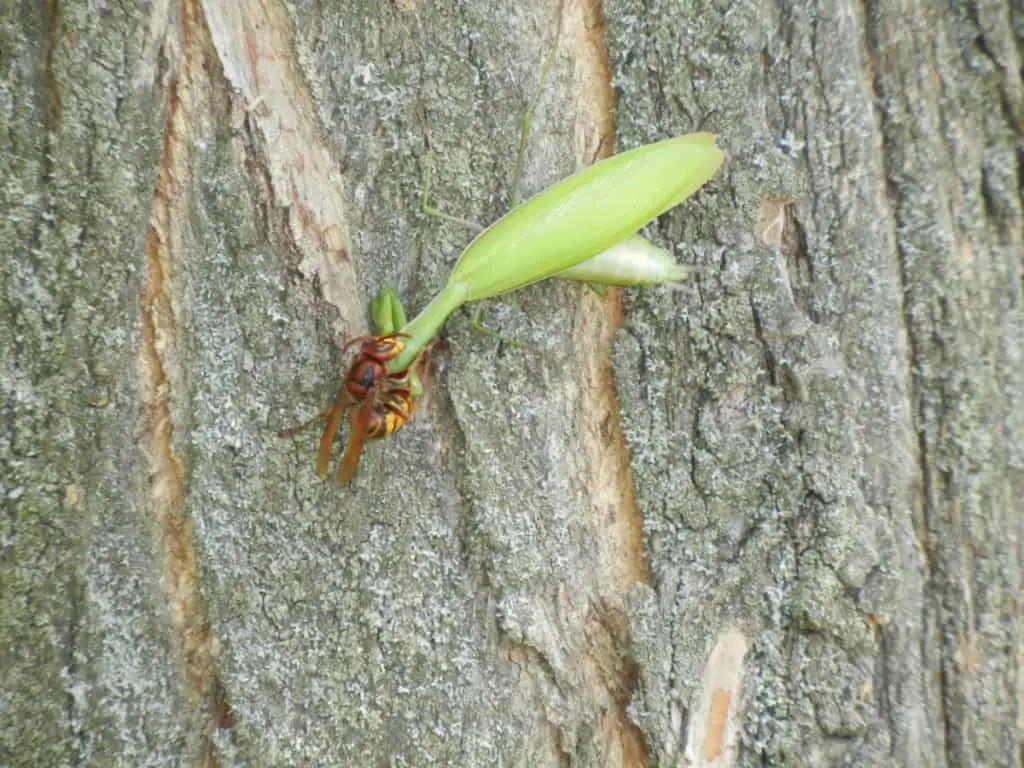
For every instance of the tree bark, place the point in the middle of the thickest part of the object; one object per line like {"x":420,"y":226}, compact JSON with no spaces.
{"x":771,"y":517}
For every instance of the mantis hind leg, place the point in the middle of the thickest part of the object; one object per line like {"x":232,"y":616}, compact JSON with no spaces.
{"x":428,"y":210}
{"x":517,"y":173}
{"x":474,"y":320}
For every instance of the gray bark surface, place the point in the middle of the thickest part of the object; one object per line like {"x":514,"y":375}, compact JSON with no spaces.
{"x":770,"y":517}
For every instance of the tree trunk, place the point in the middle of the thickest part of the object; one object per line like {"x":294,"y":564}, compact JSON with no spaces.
{"x":771,"y":517}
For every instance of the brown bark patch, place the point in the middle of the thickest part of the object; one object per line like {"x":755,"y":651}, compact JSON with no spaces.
{"x":160,"y":368}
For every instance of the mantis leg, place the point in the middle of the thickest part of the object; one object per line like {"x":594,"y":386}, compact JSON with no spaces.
{"x":517,"y":174}
{"x":387,"y":312}
{"x":437,"y":213}
{"x":474,"y":320}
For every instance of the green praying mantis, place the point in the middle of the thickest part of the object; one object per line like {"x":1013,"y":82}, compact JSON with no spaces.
{"x":582,"y":228}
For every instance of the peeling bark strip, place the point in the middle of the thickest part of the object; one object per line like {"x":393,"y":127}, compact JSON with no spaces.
{"x":161,"y":378}
{"x":254,"y":44}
